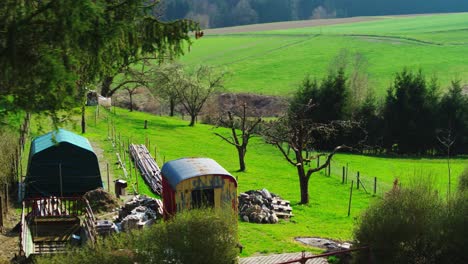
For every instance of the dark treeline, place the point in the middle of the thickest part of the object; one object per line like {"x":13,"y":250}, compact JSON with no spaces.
{"x":223,"y":13}
{"x":415,"y":118}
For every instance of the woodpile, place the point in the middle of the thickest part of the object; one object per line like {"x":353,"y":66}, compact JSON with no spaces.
{"x":147,"y":165}
{"x":263,"y":207}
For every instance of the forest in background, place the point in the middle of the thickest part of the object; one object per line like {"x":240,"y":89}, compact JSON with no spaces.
{"x":224,"y":13}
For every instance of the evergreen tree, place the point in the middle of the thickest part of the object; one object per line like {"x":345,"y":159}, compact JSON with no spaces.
{"x":453,"y":117}
{"x":408,"y":113}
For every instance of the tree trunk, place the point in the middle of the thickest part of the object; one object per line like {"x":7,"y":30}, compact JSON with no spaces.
{"x":304,"y":184}
{"x":83,"y":119}
{"x":171,"y":107}
{"x":131,"y":101}
{"x":241,"y":152}
{"x":192,"y":120}
{"x":106,"y":84}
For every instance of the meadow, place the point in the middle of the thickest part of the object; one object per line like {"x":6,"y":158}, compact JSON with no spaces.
{"x":274,"y":62}
{"x":325,"y":216}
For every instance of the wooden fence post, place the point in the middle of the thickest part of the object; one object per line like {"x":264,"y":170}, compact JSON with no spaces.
{"x":358,"y":181}
{"x":350,"y":197}
{"x":347,"y":173}
{"x":329,"y":169}
{"x":375,"y":185}
{"x":146,"y":124}
{"x":343,"y":176}
{"x":108,"y":178}
{"x":1,"y":214}
{"x":318,"y":161}
{"x":136,"y":176}
{"x":7,"y":198}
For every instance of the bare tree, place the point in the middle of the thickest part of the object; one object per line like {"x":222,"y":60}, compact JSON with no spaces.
{"x":195,"y":89}
{"x":446,"y":139}
{"x":166,"y":78}
{"x":296,"y":132}
{"x":243,"y":128}
{"x":134,"y":78}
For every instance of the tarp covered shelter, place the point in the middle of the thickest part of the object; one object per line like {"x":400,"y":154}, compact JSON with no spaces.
{"x":61,"y":163}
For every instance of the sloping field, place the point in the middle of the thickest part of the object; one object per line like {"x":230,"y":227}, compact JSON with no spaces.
{"x":326,"y":216}
{"x":273,"y":60}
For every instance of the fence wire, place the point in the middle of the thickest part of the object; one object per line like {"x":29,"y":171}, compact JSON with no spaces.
{"x":367,"y":182}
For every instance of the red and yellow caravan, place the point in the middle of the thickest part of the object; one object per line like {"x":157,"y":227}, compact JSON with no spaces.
{"x":197,"y":182}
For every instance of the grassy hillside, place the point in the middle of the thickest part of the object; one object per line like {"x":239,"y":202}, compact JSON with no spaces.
{"x":326,"y":216}
{"x":274,"y":62}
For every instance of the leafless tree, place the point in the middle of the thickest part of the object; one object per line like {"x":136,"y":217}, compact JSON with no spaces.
{"x":243,"y":127}
{"x":446,"y":139}
{"x":296,"y":132}
{"x":166,"y":78}
{"x":196,"y":88}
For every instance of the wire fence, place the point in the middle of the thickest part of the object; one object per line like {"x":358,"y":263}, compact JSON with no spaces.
{"x":366,"y":183}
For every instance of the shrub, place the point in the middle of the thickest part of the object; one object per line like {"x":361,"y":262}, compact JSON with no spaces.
{"x":401,"y":227}
{"x":414,"y":225}
{"x":197,"y":236}
{"x":463,"y":181}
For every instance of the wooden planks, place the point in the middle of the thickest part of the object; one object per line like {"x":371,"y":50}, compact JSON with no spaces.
{"x":148,"y":167}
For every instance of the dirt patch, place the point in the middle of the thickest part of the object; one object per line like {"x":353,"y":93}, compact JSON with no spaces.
{"x":103,"y":166}
{"x":268,"y":106}
{"x":288,"y":25}
{"x":9,"y":238}
{"x":101,"y":201}
{"x":303,"y":24}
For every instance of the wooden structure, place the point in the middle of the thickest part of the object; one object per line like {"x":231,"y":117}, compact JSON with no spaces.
{"x":50,"y":225}
{"x":197,"y":182}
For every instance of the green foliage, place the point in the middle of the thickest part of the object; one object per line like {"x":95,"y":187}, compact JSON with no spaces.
{"x":8,"y":148}
{"x":414,"y":225}
{"x":409,"y":113}
{"x":198,"y":236}
{"x":463,"y":181}
{"x":52,"y":51}
{"x":453,"y":117}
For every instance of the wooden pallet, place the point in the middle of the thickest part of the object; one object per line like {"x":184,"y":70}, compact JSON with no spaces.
{"x":282,"y":208}
{"x":49,"y":247}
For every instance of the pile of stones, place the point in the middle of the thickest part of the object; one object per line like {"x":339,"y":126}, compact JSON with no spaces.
{"x":139,"y":212}
{"x":261,"y":206}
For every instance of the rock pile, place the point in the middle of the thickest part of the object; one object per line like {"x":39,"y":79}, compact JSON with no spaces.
{"x":263,"y":207}
{"x":139,"y":212}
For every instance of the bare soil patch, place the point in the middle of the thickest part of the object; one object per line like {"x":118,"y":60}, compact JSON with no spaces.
{"x":288,"y":25}
{"x":303,"y":24}
{"x":9,"y":238}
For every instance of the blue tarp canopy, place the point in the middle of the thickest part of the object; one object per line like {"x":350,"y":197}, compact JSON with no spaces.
{"x":61,"y":163}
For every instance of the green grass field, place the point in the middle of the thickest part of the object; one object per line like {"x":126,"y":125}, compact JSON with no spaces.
{"x":274,"y":62}
{"x":326,"y":216}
